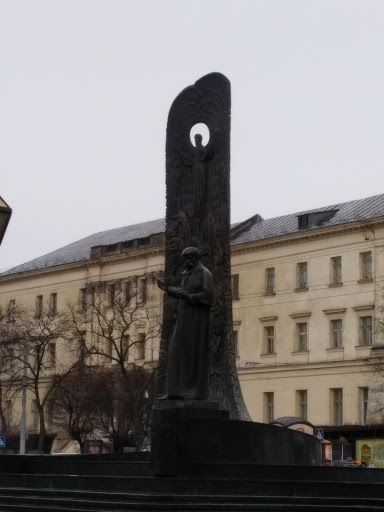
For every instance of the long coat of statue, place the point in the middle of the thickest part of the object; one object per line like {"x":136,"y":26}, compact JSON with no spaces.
{"x":188,"y":356}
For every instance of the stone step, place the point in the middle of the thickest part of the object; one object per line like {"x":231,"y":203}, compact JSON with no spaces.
{"x":29,"y":499}
{"x":266,"y":472}
{"x":194,"y":486}
{"x":85,"y":467}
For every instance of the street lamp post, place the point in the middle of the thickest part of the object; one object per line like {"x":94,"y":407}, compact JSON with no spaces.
{"x":23,"y":422}
{"x":5,"y":215}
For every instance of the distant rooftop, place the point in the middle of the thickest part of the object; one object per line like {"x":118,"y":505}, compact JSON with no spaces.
{"x":342,"y":213}
{"x":251,"y":230}
{"x":81,"y":249}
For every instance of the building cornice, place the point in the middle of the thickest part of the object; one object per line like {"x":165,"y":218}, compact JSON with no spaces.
{"x":301,"y":315}
{"x":82,"y":265}
{"x":268,"y":318}
{"x":337,"y":311}
{"x":243,"y":248}
{"x":366,"y":307}
{"x":307,"y":366}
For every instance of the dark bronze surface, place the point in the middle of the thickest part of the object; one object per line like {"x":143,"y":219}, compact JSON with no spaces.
{"x":188,"y":354}
{"x":198,"y":215}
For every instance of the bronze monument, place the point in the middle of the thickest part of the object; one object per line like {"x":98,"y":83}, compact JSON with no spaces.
{"x":199,"y":419}
{"x":188,"y":354}
{"x":198,"y":215}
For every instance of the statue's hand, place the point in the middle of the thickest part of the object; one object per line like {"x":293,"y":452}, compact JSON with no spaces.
{"x":182,"y":294}
{"x":162,"y":285}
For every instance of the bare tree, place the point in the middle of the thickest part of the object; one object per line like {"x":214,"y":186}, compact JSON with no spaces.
{"x":32,"y":338}
{"x":9,"y":372}
{"x":119,"y":326}
{"x":123,"y":411}
{"x":75,"y":398}
{"x":376,"y":389}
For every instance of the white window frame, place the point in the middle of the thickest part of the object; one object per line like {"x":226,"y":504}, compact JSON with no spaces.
{"x":140,"y":347}
{"x":336,"y":270}
{"x":269,"y":332}
{"x":269,"y":406}
{"x":270,"y":281}
{"x":366,"y":331}
{"x":336,"y":333}
{"x":302,"y":403}
{"x":337,"y":406}
{"x":302,"y":336}
{"x":302,"y":275}
{"x":366,"y":266}
{"x":363,"y":405}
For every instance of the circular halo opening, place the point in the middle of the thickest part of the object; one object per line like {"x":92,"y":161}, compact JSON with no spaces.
{"x":203,"y":130}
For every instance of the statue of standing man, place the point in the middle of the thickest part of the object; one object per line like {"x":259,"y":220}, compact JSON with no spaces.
{"x":188,"y":352}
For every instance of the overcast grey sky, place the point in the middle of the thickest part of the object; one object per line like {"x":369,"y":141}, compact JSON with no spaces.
{"x":86,"y":86}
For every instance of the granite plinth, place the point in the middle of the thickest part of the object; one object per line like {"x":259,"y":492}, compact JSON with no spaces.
{"x":188,"y":432}
{"x":168,"y":420}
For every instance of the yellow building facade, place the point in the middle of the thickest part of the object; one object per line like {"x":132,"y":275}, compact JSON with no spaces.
{"x":307,"y":308}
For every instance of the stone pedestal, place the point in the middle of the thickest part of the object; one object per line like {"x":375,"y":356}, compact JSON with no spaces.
{"x":170,"y":446}
{"x":186,"y":433}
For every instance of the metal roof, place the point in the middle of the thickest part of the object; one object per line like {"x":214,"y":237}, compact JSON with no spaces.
{"x":260,"y":229}
{"x":352,"y":211}
{"x":81,"y":250}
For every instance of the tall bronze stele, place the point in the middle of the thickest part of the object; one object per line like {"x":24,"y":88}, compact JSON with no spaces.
{"x":198,"y":215}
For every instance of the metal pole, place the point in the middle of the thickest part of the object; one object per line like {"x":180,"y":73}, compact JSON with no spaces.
{"x":23,"y":421}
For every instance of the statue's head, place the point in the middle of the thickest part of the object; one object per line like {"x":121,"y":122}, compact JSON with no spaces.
{"x":198,"y":139}
{"x":191,"y":256}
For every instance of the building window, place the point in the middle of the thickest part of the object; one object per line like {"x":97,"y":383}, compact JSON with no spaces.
{"x":49,"y":413}
{"x":126,"y":246}
{"x":301,"y":404}
{"x":336,"y":270}
{"x":270,"y":281}
{"x":365,"y":330}
{"x":363,"y":405}
{"x":8,"y":414}
{"x":111,"y":248}
{"x":337,"y":406}
{"x":51,"y":353}
{"x":235,"y":337}
{"x":39,"y":306}
{"x":302,"y":276}
{"x":140,"y":347}
{"x":125,"y":347}
{"x":366,"y":265}
{"x":336,"y":333}
{"x":9,"y":359}
{"x":302,"y":336}
{"x":144,"y":241}
{"x":83,"y":299}
{"x":128,"y":292}
{"x":93,"y":295}
{"x":303,"y":221}
{"x":53,"y":304}
{"x":12,"y":310}
{"x":111,"y":294}
{"x":82,"y":347}
{"x":109,"y":351}
{"x":143,"y":290}
{"x":235,"y":286}
{"x":35,"y":416}
{"x":269,"y":339}
{"x":268,"y":407}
